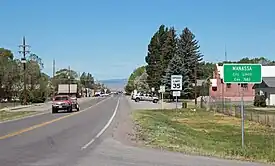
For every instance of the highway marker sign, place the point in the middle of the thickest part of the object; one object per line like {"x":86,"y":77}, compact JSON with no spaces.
{"x":176,"y":82}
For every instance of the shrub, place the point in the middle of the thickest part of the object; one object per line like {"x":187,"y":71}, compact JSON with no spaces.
{"x":259,"y":101}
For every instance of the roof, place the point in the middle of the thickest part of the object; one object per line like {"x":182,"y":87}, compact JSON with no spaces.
{"x":267,"y":71}
{"x":269,"y":81}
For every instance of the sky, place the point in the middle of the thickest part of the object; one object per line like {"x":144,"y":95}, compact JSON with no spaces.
{"x":109,"y":38}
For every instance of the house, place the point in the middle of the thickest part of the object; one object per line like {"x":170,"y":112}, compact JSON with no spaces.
{"x":219,"y":89}
{"x":266,"y":88}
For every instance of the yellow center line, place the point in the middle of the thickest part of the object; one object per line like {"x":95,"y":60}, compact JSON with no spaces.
{"x":35,"y":126}
{"x":44,"y":123}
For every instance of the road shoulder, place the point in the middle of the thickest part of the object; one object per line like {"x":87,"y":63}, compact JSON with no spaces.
{"x":125,"y":133}
{"x":123,"y":130}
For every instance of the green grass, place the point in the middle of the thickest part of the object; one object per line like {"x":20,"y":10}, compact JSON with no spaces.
{"x":204,"y":133}
{"x":9,"y":115}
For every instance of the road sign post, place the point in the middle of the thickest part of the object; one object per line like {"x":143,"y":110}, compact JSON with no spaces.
{"x":241,"y":74}
{"x":162,"y":90}
{"x":176,"y":86}
{"x":177,"y":94}
{"x":176,"y":82}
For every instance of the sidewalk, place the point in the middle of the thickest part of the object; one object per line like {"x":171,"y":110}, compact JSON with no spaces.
{"x":39,"y":106}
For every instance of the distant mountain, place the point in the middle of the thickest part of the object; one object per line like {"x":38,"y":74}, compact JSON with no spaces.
{"x":115,"y":84}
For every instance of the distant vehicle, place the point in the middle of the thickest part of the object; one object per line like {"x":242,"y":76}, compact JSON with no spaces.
{"x":97,"y":94}
{"x":64,"y":102}
{"x":144,"y":97}
{"x":104,"y":94}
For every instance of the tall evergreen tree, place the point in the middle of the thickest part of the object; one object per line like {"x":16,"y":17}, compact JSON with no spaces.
{"x":168,"y":49}
{"x":153,"y":59}
{"x":177,"y":67}
{"x":189,"y":50}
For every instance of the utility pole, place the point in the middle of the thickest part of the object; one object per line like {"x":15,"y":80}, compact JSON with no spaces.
{"x":53,"y":68}
{"x":225,"y":54}
{"x":222,"y":83}
{"x":69,"y":77}
{"x":195,"y":78}
{"x":53,"y":81}
{"x":23,"y":60}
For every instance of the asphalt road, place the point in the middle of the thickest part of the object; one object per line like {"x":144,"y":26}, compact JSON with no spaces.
{"x":53,"y":139}
{"x":80,"y":139}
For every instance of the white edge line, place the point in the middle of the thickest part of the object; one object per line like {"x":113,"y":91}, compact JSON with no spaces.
{"x":47,"y":112}
{"x":103,"y":129}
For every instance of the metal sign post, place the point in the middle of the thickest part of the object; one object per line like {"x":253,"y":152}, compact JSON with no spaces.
{"x":162,"y":90}
{"x":176,"y":94}
{"x":242,"y":112}
{"x":242,"y":74}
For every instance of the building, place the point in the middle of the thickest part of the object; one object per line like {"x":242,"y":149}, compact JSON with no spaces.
{"x":266,"y":88}
{"x":232,"y":92}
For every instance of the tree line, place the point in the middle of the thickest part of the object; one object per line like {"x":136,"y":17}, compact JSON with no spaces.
{"x":169,"y":54}
{"x":39,"y":85}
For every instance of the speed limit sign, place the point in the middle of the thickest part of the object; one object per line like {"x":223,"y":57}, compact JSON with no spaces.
{"x":176,"y":82}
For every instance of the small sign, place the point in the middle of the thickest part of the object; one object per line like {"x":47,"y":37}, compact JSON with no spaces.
{"x":162,"y":89}
{"x":242,"y":73}
{"x":105,"y":90}
{"x":153,"y":89}
{"x":176,"y":82}
{"x":176,"y":93}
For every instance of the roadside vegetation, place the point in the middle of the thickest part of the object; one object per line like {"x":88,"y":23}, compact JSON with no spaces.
{"x":9,"y":115}
{"x":39,"y":85}
{"x":204,"y":133}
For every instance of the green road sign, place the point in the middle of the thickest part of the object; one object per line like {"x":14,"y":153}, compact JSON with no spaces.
{"x":242,"y":73}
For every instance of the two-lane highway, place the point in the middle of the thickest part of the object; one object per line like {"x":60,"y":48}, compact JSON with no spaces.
{"x":58,"y":139}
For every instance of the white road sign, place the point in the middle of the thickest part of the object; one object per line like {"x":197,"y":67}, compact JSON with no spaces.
{"x":162,"y":89}
{"x":176,"y":82}
{"x":176,"y":93}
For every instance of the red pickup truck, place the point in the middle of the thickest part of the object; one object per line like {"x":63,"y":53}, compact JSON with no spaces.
{"x":64,"y":102}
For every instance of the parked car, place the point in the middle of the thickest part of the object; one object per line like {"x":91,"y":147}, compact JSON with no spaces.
{"x":145,"y":97}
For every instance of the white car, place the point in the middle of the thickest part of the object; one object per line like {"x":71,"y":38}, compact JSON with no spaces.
{"x":145,"y":97}
{"x":104,"y":94}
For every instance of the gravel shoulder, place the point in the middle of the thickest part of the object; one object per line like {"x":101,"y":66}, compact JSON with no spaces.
{"x":124,"y":127}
